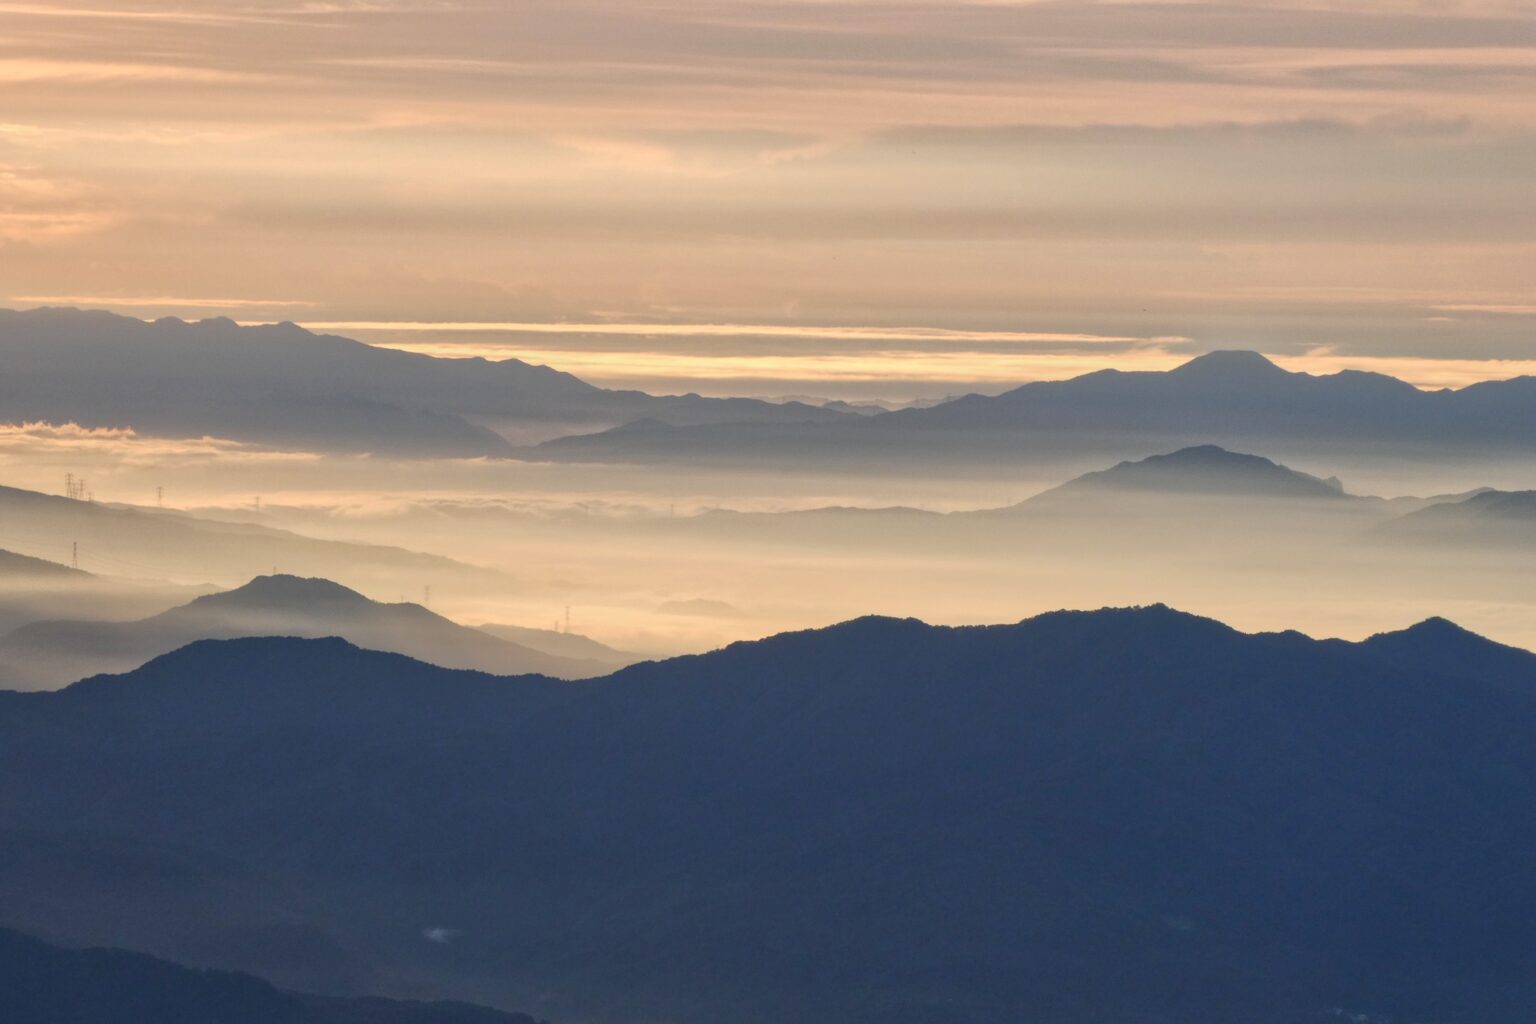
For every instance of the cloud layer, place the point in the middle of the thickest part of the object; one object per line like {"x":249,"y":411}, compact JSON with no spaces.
{"x":1276,"y":175}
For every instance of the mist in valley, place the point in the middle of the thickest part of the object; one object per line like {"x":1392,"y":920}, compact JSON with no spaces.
{"x":671,"y":559}
{"x":723,"y":512}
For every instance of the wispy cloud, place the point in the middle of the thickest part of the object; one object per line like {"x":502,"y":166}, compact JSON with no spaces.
{"x":28,"y":441}
{"x":1501,"y":309}
{"x":153,"y":302}
{"x":829,"y":333}
{"x":1430,"y":373}
{"x":21,"y":70}
{"x":874,"y":362}
{"x":1116,"y":170}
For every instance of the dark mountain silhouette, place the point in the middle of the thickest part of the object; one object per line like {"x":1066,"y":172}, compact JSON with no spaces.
{"x":47,"y":655}
{"x":1234,"y":399}
{"x":1226,"y":396}
{"x":1190,"y":496}
{"x":1200,"y":502}
{"x":1129,"y":815}
{"x":123,"y":540}
{"x":184,"y":903}
{"x":1203,"y":470}
{"x":1197,"y":472}
{"x":282,"y":386}
{"x":45,"y":984}
{"x":1439,"y":645}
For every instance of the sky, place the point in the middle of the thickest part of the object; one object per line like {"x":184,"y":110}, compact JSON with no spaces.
{"x":853,"y":199}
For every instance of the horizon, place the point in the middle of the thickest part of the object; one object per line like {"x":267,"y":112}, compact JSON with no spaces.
{"x":905,"y":377}
{"x":1339,"y":184}
{"x":742,"y":511}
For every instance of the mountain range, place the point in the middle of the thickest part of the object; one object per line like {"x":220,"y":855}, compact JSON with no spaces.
{"x":1233,"y":399}
{"x":1499,"y":524}
{"x":1249,"y":497}
{"x":49,"y":654}
{"x":1132,"y":815}
{"x":281,"y":386}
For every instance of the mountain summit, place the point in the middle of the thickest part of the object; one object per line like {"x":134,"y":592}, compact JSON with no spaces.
{"x":286,"y":592}
{"x":1201,"y":470}
{"x":1232,"y":366}
{"x":45,"y":655}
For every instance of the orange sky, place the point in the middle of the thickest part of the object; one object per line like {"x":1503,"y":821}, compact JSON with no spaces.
{"x":1322,"y":181}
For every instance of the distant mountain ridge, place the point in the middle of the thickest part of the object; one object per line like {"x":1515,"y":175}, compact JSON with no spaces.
{"x":165,"y":544}
{"x":47,"y":655}
{"x":1238,"y":400}
{"x":1199,"y":502}
{"x":1124,"y":815}
{"x":282,"y":386}
{"x":1500,"y":524}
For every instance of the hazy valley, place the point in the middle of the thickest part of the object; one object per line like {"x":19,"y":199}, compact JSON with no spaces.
{"x":725,"y":512}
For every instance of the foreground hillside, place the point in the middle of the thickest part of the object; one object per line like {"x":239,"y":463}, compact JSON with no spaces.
{"x":43,"y":984}
{"x":1132,"y":815}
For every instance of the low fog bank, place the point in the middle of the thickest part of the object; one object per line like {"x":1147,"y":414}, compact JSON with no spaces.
{"x":53,"y":653}
{"x":660,"y":561}
{"x":28,"y":597}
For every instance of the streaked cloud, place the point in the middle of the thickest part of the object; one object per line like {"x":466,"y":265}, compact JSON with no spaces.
{"x":1502,"y":309}
{"x":858,"y":362}
{"x":152,"y":302}
{"x":1127,"y":170}
{"x":890,"y":374}
{"x":843,"y":333}
{"x":83,"y":71}
{"x":1426,"y":373}
{"x":32,"y":442}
